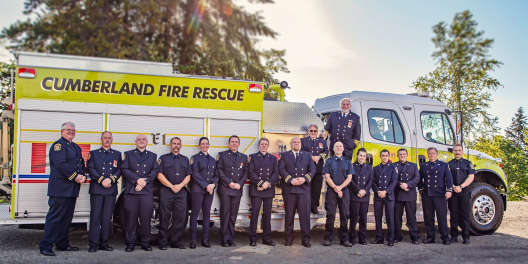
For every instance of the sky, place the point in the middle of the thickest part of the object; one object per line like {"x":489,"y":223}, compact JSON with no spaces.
{"x":337,"y":46}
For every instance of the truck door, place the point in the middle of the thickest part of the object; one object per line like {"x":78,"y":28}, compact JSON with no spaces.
{"x":435,"y":129}
{"x":408,"y":113}
{"x":384,"y":126}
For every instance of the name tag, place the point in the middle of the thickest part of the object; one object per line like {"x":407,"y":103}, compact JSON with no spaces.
{"x":349,"y":123}
{"x":320,"y":145}
{"x":241,"y":165}
{"x":115,"y":163}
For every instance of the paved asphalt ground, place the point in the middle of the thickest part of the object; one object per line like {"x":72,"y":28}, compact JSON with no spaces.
{"x":508,"y":245}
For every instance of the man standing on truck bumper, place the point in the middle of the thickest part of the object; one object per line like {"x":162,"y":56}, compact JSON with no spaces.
{"x":383,"y":184}
{"x":140,"y":169}
{"x":463,"y":172}
{"x":296,"y":169}
{"x":104,"y":168}
{"x":436,"y":186}
{"x":67,"y":172}
{"x":174,"y":174}
{"x":405,"y":192}
{"x":232,"y":168}
{"x":338,"y":172}
{"x":319,"y":150}
{"x":344,"y":126}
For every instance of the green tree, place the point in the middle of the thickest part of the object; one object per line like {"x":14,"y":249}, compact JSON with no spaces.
{"x":461,"y":79}
{"x":5,"y":84}
{"x":215,"y":37}
{"x":516,"y":132}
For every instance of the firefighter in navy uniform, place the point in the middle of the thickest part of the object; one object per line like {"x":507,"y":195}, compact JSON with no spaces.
{"x":344,"y":126}
{"x":232,"y":169}
{"x":463,"y":172}
{"x":174,"y":174}
{"x":319,"y":150}
{"x":263,"y":175}
{"x":338,"y":172}
{"x":139,"y":169}
{"x":408,"y":178}
{"x":104,"y":168}
{"x":383,"y":184}
{"x":360,"y":197}
{"x":296,"y":169}
{"x":203,"y":182}
{"x":67,"y":172}
{"x":436,"y":186}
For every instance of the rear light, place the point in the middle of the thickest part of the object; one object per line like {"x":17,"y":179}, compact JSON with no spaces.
{"x":27,"y":73}
{"x":500,"y":165}
{"x":11,"y":107}
{"x":255,"y":88}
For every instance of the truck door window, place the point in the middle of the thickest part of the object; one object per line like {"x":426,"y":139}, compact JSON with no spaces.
{"x":385,"y":125}
{"x":436,"y":128}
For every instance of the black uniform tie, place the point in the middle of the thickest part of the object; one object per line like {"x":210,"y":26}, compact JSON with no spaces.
{"x":339,"y":171}
{"x":457,"y":176}
{"x":296,"y":155}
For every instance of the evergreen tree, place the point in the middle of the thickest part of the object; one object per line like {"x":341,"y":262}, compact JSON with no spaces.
{"x":516,"y":131}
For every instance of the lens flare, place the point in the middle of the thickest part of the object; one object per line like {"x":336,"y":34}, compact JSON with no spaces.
{"x":197,"y":17}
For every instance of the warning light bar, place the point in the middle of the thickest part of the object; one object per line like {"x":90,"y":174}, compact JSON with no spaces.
{"x":255,"y":88}
{"x":27,"y":73}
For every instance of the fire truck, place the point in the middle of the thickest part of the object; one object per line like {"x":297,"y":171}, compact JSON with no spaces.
{"x":136,"y":97}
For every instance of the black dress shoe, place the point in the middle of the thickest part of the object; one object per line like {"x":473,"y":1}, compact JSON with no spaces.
{"x":129,"y":248}
{"x":106,"y":248}
{"x":163,"y":247}
{"x":390,"y":243}
{"x":352,"y":241}
{"x":346,"y":244}
{"x":363,"y":242}
{"x":68,"y":249}
{"x":178,"y":245}
{"x":193,"y":244}
{"x":269,"y":243}
{"x":225,"y":244}
{"x":454,"y":240}
{"x":466,"y":241}
{"x":146,"y":248}
{"x":327,"y":243}
{"x":253,"y":243}
{"x":306,"y":244}
{"x":92,"y":249}
{"x":232,"y":243}
{"x":376,"y":241}
{"x":398,"y":240}
{"x":315,"y":211}
{"x":288,"y":244}
{"x":416,"y":241}
{"x":428,"y":241}
{"x":47,"y":252}
{"x":205,"y":243}
{"x":447,"y":242}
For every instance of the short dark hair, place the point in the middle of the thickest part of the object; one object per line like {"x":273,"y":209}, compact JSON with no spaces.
{"x":458,"y":145}
{"x":233,"y":136}
{"x":431,"y":148}
{"x":361,"y":150}
{"x":102,"y":134}
{"x":384,"y":151}
{"x":402,"y":149}
{"x":263,"y":139}
{"x":174,"y":139}
{"x":202,"y":138}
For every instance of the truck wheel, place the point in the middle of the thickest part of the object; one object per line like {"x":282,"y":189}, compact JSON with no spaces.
{"x":487,"y":209}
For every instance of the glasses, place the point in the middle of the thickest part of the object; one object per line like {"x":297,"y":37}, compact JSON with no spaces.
{"x":70,"y":130}
{"x":313,"y":130}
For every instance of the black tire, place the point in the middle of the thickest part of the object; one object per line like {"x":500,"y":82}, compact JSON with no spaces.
{"x":487,"y":209}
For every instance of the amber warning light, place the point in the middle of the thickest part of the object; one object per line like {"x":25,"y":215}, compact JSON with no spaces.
{"x":255,"y":88}
{"x":27,"y":73}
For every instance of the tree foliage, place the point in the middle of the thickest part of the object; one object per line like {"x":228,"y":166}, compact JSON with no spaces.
{"x":214,"y":37}
{"x":462,"y":78}
{"x":5,"y":83}
{"x":516,"y":132}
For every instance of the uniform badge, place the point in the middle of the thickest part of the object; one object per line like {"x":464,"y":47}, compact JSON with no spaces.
{"x":249,"y":159}
{"x":471,"y":165}
{"x":115,"y":163}
{"x":396,"y":169}
{"x":191,"y":161}
{"x":57,"y":147}
{"x":320,"y":145}
{"x":241,"y":164}
{"x":349,"y":123}
{"x":159,"y":161}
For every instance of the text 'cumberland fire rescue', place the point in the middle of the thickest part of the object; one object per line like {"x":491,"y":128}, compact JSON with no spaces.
{"x":144,"y":89}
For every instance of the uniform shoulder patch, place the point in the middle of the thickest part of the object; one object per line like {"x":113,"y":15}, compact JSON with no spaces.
{"x":471,"y":165}
{"x":249,"y":159}
{"x":57,"y":147}
{"x":89,"y":155}
{"x":191,"y":161}
{"x":159,"y":161}
{"x":217,"y":156}
{"x":124,"y":156}
{"x":396,"y":169}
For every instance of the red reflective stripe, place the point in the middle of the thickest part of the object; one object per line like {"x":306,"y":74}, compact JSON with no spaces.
{"x":38,"y":157}
{"x":85,"y":151}
{"x":33,"y":181}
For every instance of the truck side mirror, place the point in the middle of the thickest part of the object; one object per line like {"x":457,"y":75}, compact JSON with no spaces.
{"x":370,"y":159}
{"x":421,"y":159}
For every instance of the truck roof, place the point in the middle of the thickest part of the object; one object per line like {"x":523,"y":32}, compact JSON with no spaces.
{"x":331,"y":103}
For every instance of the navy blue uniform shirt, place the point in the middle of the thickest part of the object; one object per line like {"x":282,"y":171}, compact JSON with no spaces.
{"x":331,"y":167}
{"x":104,"y":164}
{"x":317,"y":147}
{"x":66,"y":162}
{"x":385,"y":179}
{"x":203,"y":168}
{"x":460,"y":170}
{"x":344,"y":128}
{"x":262,"y":168}
{"x":361,"y":180}
{"x":435,"y":178}
{"x":137,"y":165}
{"x":291,"y":168}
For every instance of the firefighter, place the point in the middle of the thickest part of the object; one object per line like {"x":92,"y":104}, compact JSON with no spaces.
{"x":296,"y":168}
{"x":463,"y":172}
{"x":319,"y":150}
{"x":405,"y":192}
{"x":174,"y":175}
{"x":139,"y":169}
{"x":338,"y":172}
{"x":344,"y":126}
{"x":204,"y":180}
{"x":104,"y":168}
{"x":263,"y":175}
{"x":67,"y":172}
{"x":383,"y":184}
{"x":360,"y":197}
{"x":232,"y":169}
{"x":436,"y":187}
